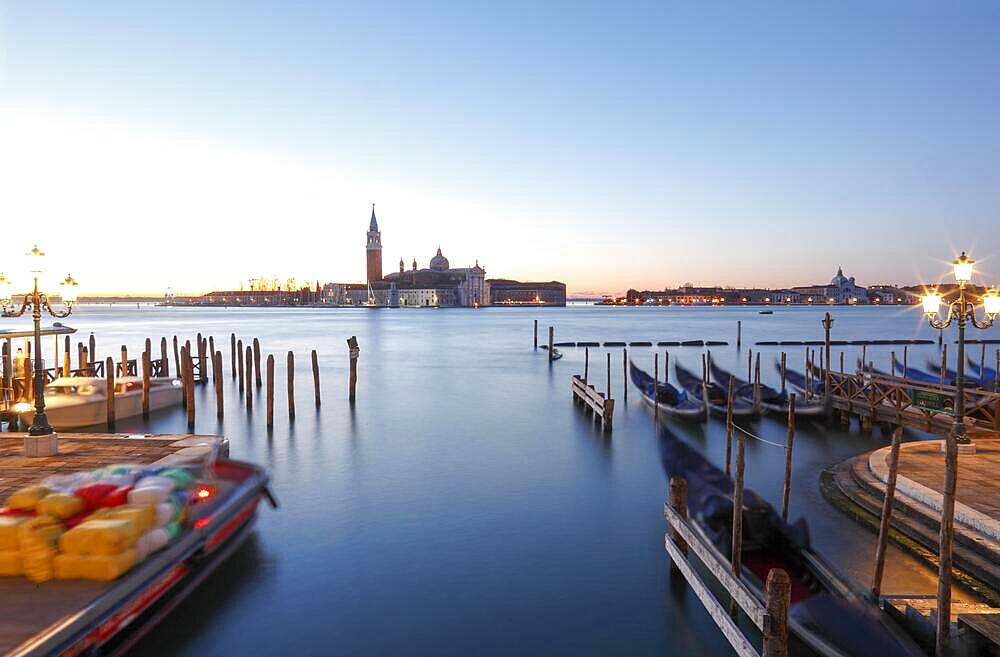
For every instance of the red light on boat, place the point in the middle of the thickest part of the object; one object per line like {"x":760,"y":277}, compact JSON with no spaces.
{"x":201,"y":522}
{"x":203,"y":493}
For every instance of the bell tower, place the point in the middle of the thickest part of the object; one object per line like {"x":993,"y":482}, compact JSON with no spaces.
{"x":374,"y":250}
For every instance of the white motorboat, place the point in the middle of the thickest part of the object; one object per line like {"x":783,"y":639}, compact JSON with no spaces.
{"x":81,"y":401}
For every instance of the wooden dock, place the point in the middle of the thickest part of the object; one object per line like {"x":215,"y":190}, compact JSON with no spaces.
{"x":890,"y":400}
{"x":603,"y":407}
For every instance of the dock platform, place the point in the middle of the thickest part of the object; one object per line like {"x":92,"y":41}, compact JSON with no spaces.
{"x":917,"y":504}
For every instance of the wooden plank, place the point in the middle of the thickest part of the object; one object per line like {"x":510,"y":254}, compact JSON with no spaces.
{"x":985,"y":625}
{"x":726,"y":625}
{"x":718,"y":566}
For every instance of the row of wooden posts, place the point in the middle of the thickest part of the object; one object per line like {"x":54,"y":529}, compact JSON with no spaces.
{"x":192,"y":368}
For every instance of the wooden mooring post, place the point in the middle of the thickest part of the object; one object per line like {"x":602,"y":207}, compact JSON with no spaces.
{"x":586,"y":364}
{"x":677,"y":497}
{"x":239,"y":363}
{"x":217,"y":375}
{"x":315,"y":366}
{"x":249,"y":388}
{"x":625,"y":375}
{"x":232,"y":352}
{"x":188,"y":364}
{"x":109,"y":389}
{"x":551,"y":339}
{"x":609,"y":375}
{"x":946,"y":538}
{"x":177,"y":360}
{"x":146,"y":367}
{"x":886,"y":519}
{"x":92,"y":347}
{"x":163,"y":356}
{"x":656,"y":386}
{"x":536,"y":334}
{"x":354,"y":351}
{"x":739,"y":332}
{"x":944,"y":363}
{"x":783,"y":370}
{"x":202,"y":371}
{"x":270,"y":390}
{"x":786,"y":489}
{"x":256,"y":361}
{"x":290,"y":360}
{"x":736,"y":557}
{"x":729,"y":426}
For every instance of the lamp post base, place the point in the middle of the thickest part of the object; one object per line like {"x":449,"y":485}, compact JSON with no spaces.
{"x":47,"y":445}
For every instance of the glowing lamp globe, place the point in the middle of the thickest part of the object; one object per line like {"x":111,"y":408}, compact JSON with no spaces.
{"x":963,"y":268}
{"x":932,"y":303}
{"x":68,"y":287}
{"x":991,"y":302}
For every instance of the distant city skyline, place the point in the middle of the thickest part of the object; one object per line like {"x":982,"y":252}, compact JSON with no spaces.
{"x":610,"y":147}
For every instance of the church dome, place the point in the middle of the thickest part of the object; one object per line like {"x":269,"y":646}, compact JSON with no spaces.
{"x":439,"y":262}
{"x":840,"y":280}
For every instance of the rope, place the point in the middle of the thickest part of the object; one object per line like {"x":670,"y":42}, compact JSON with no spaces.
{"x":766,"y":442}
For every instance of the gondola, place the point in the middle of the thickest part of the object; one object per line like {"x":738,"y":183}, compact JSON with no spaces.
{"x":670,"y":400}
{"x":798,"y":380}
{"x":986,"y":375}
{"x":715,"y":394}
{"x":770,"y":399}
{"x":826,"y":617}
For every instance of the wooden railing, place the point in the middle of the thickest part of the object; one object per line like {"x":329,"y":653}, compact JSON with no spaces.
{"x":882,"y":398}
{"x":19,"y":387}
{"x":602,"y":407}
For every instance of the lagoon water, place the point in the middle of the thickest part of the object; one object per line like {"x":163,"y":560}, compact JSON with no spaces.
{"x":464,"y":505}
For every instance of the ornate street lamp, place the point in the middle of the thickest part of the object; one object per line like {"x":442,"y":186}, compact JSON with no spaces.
{"x":36,"y":300}
{"x":961,"y":311}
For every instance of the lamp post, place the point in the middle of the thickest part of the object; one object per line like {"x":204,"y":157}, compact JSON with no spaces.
{"x":41,"y":438}
{"x":962,"y":311}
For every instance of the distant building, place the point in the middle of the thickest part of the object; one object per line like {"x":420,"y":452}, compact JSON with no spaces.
{"x":890,"y":295}
{"x":515,"y":293}
{"x":841,"y":290}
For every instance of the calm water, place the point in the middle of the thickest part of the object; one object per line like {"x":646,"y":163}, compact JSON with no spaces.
{"x":465,"y":506}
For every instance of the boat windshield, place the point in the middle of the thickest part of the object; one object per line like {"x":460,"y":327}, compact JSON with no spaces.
{"x":86,"y":389}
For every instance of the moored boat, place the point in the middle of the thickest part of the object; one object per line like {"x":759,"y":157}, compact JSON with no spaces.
{"x":81,"y":401}
{"x":670,"y":400}
{"x":825,"y":616}
{"x":108,"y":618}
{"x":715,"y":395}
{"x":770,"y":399}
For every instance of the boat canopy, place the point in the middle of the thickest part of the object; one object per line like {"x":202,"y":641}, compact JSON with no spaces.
{"x":55,"y":329}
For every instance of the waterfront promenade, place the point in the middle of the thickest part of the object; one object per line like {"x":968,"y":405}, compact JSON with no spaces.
{"x":918,"y":499}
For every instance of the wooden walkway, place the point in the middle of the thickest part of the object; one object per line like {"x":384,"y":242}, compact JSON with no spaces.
{"x":881,"y":399}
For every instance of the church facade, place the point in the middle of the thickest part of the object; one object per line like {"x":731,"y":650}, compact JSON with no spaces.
{"x":841,"y":290}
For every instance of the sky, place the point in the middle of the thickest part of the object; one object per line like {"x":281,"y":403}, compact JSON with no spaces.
{"x":196,"y":145}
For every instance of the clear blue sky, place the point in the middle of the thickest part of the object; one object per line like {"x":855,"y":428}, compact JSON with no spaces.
{"x":607,"y":145}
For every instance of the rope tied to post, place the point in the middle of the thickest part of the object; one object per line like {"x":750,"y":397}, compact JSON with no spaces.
{"x":758,"y":438}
